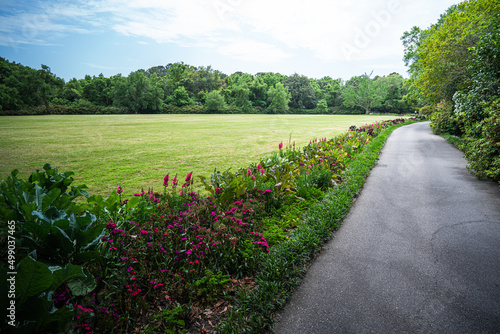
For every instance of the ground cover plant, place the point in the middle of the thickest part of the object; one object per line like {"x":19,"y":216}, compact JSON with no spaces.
{"x":134,"y":151}
{"x":172,"y":260}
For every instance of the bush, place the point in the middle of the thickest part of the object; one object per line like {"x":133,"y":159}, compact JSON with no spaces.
{"x":444,"y":120}
{"x":426,"y":110}
{"x":483,"y":153}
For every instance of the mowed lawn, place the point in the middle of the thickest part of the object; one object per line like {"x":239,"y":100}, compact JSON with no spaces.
{"x":136,"y":151}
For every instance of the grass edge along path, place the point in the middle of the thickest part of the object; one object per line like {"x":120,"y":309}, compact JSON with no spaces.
{"x":287,"y":263}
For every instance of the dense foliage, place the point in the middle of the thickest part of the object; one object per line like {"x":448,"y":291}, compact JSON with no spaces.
{"x":181,"y":88}
{"x":168,"y":261}
{"x":455,"y":65}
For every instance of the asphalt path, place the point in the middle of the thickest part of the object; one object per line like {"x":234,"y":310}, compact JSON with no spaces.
{"x":419,"y":251}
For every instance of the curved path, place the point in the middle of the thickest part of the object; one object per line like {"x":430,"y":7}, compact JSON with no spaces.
{"x":418,"y":253}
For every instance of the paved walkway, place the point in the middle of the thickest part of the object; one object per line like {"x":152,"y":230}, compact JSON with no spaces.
{"x":418,"y":253}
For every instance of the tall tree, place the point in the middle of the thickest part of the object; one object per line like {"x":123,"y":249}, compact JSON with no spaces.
{"x":438,"y":53}
{"x":279,"y":97}
{"x":303,"y":94}
{"x":363,"y":92}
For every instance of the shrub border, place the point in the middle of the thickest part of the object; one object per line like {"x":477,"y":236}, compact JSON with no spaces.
{"x":285,"y":266}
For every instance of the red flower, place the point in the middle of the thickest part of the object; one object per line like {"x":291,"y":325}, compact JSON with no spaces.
{"x":165,"y":181}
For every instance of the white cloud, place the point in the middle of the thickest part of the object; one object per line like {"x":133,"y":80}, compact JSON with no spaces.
{"x":249,"y":50}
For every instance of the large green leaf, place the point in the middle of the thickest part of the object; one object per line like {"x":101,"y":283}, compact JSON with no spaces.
{"x":50,"y":198}
{"x":80,"y":286}
{"x":91,"y":238}
{"x":70,"y":271}
{"x":60,"y":240}
{"x":32,"y":278}
{"x":51,"y":215}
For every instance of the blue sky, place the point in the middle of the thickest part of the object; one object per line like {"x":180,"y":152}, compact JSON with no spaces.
{"x":340,"y":39}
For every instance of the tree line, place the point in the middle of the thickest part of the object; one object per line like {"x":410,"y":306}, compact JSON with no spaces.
{"x":182,"y":88}
{"x":455,"y":72}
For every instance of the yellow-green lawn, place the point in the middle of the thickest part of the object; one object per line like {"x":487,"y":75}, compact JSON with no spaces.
{"x":136,"y":151}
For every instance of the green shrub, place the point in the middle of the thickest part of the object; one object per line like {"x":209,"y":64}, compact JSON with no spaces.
{"x":444,"y":120}
{"x":425,"y":110}
{"x":483,"y":153}
{"x":55,"y":242}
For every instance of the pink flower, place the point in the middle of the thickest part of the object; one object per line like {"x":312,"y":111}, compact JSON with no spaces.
{"x":111,"y":226}
{"x":165,"y":181}
{"x":249,"y":172}
{"x":252,"y":177}
{"x":144,"y":232}
{"x":174,"y":181}
{"x":280,"y":146}
{"x":119,"y":190}
{"x":188,"y":177}
{"x":259,"y":167}
{"x":262,"y":171}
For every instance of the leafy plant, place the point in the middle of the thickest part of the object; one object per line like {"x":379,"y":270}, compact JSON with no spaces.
{"x":207,"y":288}
{"x":54,"y":243}
{"x":171,"y":321}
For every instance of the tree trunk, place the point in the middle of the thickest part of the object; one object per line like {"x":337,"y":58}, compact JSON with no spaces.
{"x":47,"y":106}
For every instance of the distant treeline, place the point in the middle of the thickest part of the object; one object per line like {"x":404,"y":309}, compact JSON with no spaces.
{"x":181,"y":88}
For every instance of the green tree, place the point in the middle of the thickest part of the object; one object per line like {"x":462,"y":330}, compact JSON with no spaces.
{"x":98,"y":90}
{"x":258,"y":92}
{"x":180,"y":97}
{"x":393,"y":91}
{"x":72,"y":90}
{"x":363,"y":92}
{"x":137,"y":92}
{"x":238,"y":91}
{"x":214,"y":102}
{"x":440,"y":51}
{"x":322,"y":106}
{"x":271,"y":79}
{"x":279,"y":97}
{"x":303,"y":94}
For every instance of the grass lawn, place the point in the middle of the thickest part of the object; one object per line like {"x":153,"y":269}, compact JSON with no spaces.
{"x":136,"y":151}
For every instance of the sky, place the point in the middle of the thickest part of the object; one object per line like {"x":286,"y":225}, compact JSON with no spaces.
{"x":316,"y":38}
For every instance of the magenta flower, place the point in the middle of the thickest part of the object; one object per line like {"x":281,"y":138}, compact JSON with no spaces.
{"x":262,"y":171}
{"x":165,"y":181}
{"x":188,"y":177}
{"x":174,"y":181}
{"x":249,"y":172}
{"x":119,"y":190}
{"x":111,"y":226}
{"x":280,"y":145}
